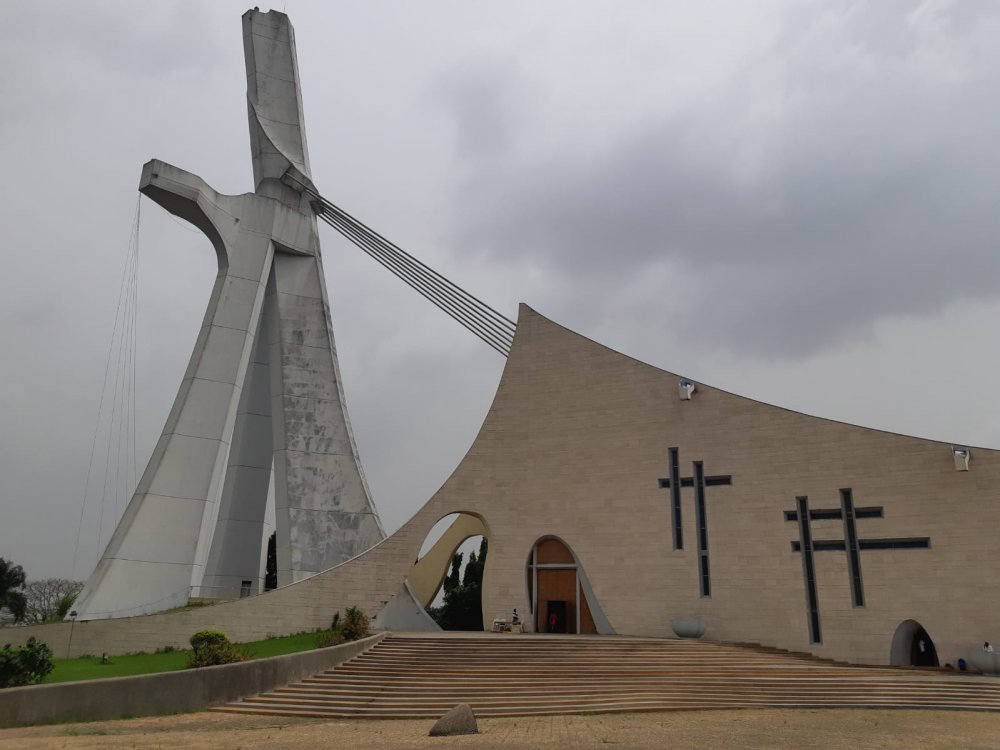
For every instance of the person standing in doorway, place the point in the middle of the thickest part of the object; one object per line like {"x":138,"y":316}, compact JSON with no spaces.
{"x":553,"y":622}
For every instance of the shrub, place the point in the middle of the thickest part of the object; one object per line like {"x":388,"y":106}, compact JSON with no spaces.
{"x":355,"y":625}
{"x":204,"y":638}
{"x":212,"y":647}
{"x":25,"y":665}
{"x":330,"y":637}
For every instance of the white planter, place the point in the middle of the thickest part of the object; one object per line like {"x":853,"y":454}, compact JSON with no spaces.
{"x":688,"y":627}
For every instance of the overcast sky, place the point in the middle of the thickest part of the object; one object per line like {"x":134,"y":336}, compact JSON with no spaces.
{"x":796,"y":201}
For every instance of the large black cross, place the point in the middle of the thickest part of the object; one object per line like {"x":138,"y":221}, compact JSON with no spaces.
{"x":699,"y":481}
{"x":850,"y":544}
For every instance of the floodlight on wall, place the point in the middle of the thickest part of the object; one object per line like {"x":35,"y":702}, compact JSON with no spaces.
{"x":685,"y":388}
{"x":961,"y":456}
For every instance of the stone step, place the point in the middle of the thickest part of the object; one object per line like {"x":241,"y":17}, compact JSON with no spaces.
{"x":691,"y":685}
{"x":553,"y":643}
{"x":424,"y":677}
{"x":448,"y":701}
{"x":692,"y":703}
{"x":477,"y":649}
{"x":388,"y":672}
{"x":487,"y":654}
{"x":362,"y":679}
{"x":582,"y":659}
{"x":677,"y":698}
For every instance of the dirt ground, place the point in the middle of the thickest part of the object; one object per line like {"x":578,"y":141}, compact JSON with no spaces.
{"x":696,"y":730}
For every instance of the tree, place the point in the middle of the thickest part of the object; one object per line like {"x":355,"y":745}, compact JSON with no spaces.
{"x":49,"y":599}
{"x":477,"y":564}
{"x":452,"y":580}
{"x":65,"y":605}
{"x":11,"y":599}
{"x":462,"y":608}
{"x":470,"y":570}
{"x":271,"y":566}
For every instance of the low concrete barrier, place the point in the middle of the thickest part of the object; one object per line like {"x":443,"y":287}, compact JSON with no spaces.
{"x":167,"y":692}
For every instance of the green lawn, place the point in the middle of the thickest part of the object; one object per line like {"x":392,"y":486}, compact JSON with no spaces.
{"x":91,"y":668}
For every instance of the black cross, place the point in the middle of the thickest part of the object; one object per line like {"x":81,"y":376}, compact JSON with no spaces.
{"x":699,"y":481}
{"x":850,"y":544}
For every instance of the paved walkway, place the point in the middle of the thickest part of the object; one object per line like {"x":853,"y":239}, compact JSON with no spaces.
{"x":682,"y":730}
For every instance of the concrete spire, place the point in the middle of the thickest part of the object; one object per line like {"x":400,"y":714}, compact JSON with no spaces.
{"x":274,"y":99}
{"x":261,"y":403}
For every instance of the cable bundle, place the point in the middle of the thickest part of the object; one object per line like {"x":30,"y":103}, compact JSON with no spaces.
{"x":475,"y":315}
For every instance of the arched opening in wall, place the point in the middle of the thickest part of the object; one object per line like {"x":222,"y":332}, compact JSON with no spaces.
{"x":447,"y":578}
{"x":559,"y":593}
{"x":912,"y":646}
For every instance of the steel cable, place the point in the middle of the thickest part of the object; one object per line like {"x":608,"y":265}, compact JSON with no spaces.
{"x":471,"y":319}
{"x":421,"y":268}
{"x":419,"y":275}
{"x":486,"y":323}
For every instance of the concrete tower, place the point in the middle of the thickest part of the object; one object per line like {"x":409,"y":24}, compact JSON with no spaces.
{"x":261,"y":403}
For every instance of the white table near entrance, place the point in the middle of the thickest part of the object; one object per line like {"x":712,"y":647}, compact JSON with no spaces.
{"x":501,"y":625}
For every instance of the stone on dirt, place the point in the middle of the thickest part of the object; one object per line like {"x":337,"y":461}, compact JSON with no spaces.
{"x":459,"y":720}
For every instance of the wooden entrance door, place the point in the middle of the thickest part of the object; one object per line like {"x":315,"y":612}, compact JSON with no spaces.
{"x":557,"y":589}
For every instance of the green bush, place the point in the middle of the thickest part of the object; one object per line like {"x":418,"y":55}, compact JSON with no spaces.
{"x":355,"y":625}
{"x":25,"y":665}
{"x":213,"y":647}
{"x":205,"y":638}
{"x":330,"y":637}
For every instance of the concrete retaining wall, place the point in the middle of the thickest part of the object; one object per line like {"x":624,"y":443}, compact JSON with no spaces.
{"x":166,"y":692}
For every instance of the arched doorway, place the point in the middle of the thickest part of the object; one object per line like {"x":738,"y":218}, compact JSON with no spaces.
{"x":912,"y":646}
{"x":559,"y":593}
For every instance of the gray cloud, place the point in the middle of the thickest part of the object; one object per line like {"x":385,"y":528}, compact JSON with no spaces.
{"x":772,"y":197}
{"x":862,"y":190}
{"x":485,"y":98}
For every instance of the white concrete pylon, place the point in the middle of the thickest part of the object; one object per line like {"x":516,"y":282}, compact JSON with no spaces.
{"x":262,"y":388}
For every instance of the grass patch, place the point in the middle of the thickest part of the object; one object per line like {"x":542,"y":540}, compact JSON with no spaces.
{"x":289,"y":644}
{"x":91,"y":668}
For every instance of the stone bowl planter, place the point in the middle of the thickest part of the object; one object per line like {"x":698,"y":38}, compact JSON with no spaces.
{"x":985,"y":662}
{"x":688,"y":627}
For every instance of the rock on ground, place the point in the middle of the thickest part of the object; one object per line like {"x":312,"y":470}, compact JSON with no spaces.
{"x":460,"y":720}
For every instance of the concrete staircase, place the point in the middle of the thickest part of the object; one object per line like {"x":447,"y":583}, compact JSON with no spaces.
{"x":513,"y":675}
